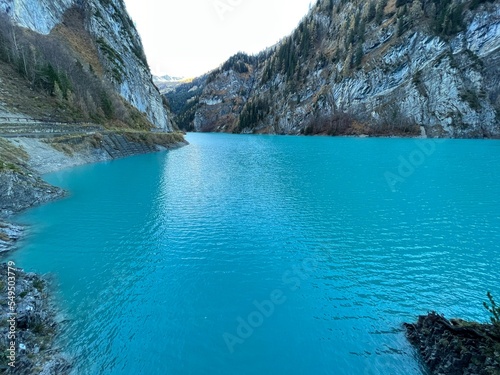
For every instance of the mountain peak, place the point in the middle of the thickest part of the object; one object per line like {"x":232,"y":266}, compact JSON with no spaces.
{"x":168,"y":83}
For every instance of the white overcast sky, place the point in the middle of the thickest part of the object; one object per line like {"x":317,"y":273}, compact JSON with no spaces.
{"x":187,"y":38}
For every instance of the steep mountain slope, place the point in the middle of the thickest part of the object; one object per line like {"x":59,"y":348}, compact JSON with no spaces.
{"x":365,"y":67}
{"x":83,"y":53}
{"x":75,"y":88}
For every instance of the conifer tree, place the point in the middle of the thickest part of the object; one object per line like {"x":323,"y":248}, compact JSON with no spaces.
{"x":58,"y":92}
{"x":372,"y":11}
{"x":358,"y":55}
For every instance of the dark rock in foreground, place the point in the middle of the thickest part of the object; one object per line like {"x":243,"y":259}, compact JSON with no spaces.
{"x":28,"y":326}
{"x":455,"y":346}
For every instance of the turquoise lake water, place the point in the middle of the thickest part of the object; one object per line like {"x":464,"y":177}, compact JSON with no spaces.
{"x":268,"y":255}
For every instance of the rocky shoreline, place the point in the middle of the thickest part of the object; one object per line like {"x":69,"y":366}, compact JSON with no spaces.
{"x":33,"y":318}
{"x":455,"y":346}
{"x":28,"y":325}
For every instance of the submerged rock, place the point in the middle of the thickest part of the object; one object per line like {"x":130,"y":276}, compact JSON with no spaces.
{"x":455,"y":346}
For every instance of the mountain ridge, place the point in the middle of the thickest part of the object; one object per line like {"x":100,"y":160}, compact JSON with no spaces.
{"x":352,"y":68}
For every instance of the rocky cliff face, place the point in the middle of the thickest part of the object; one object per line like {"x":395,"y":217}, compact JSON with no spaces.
{"x":112,"y":27}
{"x":380,"y":67}
{"x":37,"y":15}
{"x":118,"y":44}
{"x":225,"y":95}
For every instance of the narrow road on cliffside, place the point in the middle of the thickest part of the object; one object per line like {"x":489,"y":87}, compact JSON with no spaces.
{"x":12,"y":127}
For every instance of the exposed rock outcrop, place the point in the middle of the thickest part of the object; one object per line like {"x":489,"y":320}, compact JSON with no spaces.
{"x":109,"y":23}
{"x":455,"y":346}
{"x":19,"y":191}
{"x":37,"y":15}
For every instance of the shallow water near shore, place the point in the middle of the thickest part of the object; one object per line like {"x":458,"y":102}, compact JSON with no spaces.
{"x":269,"y":255}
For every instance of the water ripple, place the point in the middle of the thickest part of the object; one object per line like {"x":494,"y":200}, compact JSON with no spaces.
{"x":158,"y":256}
